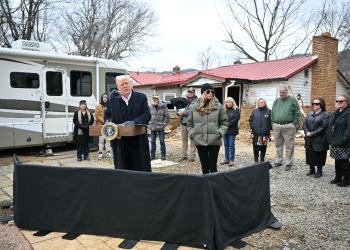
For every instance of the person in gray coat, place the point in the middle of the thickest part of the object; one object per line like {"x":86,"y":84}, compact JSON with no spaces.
{"x":159,"y":120}
{"x":207,"y":124}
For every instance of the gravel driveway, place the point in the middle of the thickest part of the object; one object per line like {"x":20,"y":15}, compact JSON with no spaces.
{"x":315,"y":213}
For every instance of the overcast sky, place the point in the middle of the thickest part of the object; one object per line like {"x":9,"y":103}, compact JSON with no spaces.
{"x":186,"y":27}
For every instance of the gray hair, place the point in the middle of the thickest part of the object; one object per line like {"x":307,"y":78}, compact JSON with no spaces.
{"x":118,"y":78}
{"x":230,"y":99}
{"x":283,"y":86}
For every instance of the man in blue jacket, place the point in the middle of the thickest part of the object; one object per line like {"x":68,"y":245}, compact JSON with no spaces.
{"x":131,"y":109}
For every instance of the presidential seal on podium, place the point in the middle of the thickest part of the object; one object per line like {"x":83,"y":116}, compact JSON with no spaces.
{"x":109,"y":131}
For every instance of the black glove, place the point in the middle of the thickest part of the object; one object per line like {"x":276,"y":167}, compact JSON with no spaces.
{"x":129,"y":123}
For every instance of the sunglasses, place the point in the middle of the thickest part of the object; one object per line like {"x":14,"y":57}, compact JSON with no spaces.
{"x":340,"y":101}
{"x":210,"y":91}
{"x":316,"y":103}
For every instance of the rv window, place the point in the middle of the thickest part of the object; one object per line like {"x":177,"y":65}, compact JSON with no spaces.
{"x":24,"y":80}
{"x":54,"y":85}
{"x":110,"y":81}
{"x":80,"y":83}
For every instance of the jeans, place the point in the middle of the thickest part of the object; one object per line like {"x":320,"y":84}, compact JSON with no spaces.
{"x":81,"y":148}
{"x":208,"y":155}
{"x":161,"y":140}
{"x":229,"y":142}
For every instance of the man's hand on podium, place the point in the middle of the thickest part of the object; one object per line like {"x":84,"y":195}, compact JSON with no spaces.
{"x":129,"y":123}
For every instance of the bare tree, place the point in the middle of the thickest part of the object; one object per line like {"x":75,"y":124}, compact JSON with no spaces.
{"x":25,"y":19}
{"x":268,"y":23}
{"x":206,"y":59}
{"x":112,"y":29}
{"x":226,"y":60}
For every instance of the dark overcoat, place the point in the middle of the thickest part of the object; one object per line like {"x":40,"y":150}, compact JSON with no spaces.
{"x":233,"y":116}
{"x":260,"y":121}
{"x":84,"y":138}
{"x":341,"y":122}
{"x":135,"y":149}
{"x":317,"y":125}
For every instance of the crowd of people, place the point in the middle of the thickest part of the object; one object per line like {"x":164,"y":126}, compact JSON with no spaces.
{"x":205,"y":123}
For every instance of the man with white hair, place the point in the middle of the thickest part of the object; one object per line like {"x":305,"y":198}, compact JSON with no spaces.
{"x":131,"y":109}
{"x":285,"y":117}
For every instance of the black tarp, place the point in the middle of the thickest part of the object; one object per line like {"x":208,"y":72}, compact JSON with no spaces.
{"x":195,"y":210}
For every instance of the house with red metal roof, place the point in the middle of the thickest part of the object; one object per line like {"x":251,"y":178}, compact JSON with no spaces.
{"x":308,"y":76}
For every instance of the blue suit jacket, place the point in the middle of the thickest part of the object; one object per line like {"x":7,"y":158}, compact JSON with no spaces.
{"x":138,"y":109}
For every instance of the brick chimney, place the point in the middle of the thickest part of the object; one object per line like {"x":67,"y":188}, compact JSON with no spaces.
{"x":176,"y":70}
{"x":324,"y":72}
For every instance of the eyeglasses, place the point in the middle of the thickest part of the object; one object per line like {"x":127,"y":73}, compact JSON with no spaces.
{"x":315,"y":103}
{"x":210,"y":91}
{"x":340,"y":101}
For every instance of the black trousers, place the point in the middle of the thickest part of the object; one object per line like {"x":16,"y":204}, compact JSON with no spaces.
{"x":208,"y":155}
{"x":342,"y":169}
{"x":263,"y":152}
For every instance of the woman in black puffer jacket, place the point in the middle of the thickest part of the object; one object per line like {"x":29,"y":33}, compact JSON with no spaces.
{"x":260,"y":123}
{"x":315,"y":129}
{"x":338,"y":136}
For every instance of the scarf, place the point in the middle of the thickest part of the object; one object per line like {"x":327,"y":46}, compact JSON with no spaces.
{"x":80,"y":131}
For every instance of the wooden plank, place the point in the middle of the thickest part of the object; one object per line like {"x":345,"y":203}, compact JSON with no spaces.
{"x":301,"y":110}
{"x":122,"y":130}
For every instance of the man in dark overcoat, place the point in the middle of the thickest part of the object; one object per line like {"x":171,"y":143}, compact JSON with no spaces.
{"x":131,"y":109}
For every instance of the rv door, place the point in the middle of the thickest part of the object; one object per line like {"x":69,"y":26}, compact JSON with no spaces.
{"x":54,"y":102}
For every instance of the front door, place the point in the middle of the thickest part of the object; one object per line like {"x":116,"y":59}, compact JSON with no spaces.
{"x":54,"y":106}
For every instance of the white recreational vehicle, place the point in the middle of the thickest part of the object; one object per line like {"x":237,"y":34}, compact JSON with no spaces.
{"x":40,"y":91}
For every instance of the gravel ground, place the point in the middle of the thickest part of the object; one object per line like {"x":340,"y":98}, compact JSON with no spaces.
{"x":315,"y":213}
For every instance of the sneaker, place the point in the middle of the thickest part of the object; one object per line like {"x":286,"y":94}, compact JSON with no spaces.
{"x":183,"y":158}
{"x":225,"y":162}
{"x":79,"y":159}
{"x":277,"y":165}
{"x":288,"y":167}
{"x":231,"y":163}
{"x":99,"y":156}
{"x":163,"y":158}
{"x":153,"y":157}
{"x":87,"y":159}
{"x":108,"y":154}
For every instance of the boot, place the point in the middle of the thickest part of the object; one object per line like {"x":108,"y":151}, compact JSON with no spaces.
{"x":225,"y":162}
{"x":345,"y":182}
{"x":338,"y":173}
{"x":312,"y":170}
{"x":153,"y":157}
{"x":256,"y":160}
{"x":319,"y":172}
{"x":262,"y":159}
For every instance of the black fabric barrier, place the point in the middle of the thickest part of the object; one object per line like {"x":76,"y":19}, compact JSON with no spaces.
{"x":195,"y":210}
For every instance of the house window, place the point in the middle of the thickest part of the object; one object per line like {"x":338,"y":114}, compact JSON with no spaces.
{"x":306,"y":73}
{"x":54,"y":85}
{"x":80,"y":83}
{"x":110,"y":81}
{"x":24,"y":80}
{"x":168,"y":97}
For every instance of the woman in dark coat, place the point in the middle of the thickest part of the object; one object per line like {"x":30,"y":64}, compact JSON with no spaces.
{"x":316,"y":145}
{"x":260,"y":123}
{"x":82,"y":119}
{"x":338,"y":136}
{"x":233,"y":115}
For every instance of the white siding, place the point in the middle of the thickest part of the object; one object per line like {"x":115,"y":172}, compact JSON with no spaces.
{"x":269,"y":90}
{"x":341,"y":87}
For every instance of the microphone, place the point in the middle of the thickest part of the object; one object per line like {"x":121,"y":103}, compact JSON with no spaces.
{"x":116,"y":93}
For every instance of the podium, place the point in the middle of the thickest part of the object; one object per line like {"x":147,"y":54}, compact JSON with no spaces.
{"x":122,"y":131}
